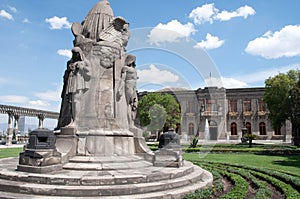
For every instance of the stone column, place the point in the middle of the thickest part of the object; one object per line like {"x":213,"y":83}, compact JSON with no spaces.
{"x":41,"y":120}
{"x":9,"y":128}
{"x":16,"y":127}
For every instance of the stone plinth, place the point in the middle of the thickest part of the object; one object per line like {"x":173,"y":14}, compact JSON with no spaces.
{"x":103,"y":177}
{"x":66,"y":143}
{"x":169,"y":153}
{"x":107,"y":143}
{"x":40,"y":154}
{"x":168,"y":158}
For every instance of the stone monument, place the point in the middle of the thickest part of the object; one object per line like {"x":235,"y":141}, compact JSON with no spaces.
{"x":96,"y":150}
{"x":99,"y":94}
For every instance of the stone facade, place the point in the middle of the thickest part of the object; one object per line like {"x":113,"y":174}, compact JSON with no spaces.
{"x":218,"y":114}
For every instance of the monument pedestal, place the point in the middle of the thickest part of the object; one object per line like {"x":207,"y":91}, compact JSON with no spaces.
{"x":40,"y":154}
{"x":168,"y":158}
{"x":105,"y":142}
{"x":66,"y":143}
{"x":169,"y":153}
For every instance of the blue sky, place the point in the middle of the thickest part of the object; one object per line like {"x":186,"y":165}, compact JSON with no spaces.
{"x":239,"y":42}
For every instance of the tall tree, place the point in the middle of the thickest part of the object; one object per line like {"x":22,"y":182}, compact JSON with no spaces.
{"x":282,"y":98}
{"x":148,"y":104}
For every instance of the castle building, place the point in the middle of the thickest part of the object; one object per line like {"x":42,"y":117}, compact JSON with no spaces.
{"x":219,"y":114}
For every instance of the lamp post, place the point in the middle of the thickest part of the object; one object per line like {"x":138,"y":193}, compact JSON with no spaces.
{"x":244,"y":132}
{"x":201,"y":110}
{"x":201,"y":117}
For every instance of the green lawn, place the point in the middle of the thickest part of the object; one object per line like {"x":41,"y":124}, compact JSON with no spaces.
{"x":285,"y":163}
{"x":10,"y":152}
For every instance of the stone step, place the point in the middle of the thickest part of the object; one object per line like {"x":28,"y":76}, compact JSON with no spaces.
{"x":93,"y":178}
{"x":105,"y":159}
{"x":98,"y":166}
{"x":103,"y":190}
{"x":175,"y":193}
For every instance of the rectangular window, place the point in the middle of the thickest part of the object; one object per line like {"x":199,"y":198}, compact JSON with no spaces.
{"x":233,"y":106}
{"x":211,"y":105}
{"x":190,"y":107}
{"x":247,"y":105}
{"x":277,"y":131}
{"x":261,"y":106}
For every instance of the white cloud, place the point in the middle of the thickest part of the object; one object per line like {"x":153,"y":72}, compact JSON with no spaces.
{"x":203,"y":14}
{"x":50,"y":95}
{"x":39,"y":103}
{"x":233,"y":83}
{"x":244,"y":11}
{"x":58,"y":23}
{"x":250,"y":79}
{"x":261,"y":76}
{"x":282,"y":43}
{"x":26,"y":20}
{"x":155,"y":75}
{"x":6,"y":15}
{"x":225,"y":82}
{"x":65,"y":52}
{"x":170,"y":32}
{"x":14,"y":99}
{"x":211,"y":42}
{"x":48,"y":100}
{"x":209,"y":13}
{"x":13,"y":9}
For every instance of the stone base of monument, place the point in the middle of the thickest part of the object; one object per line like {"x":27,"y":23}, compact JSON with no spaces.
{"x":39,"y":169}
{"x":105,"y":177}
{"x":66,"y":143}
{"x":169,"y":153}
{"x":168,"y":158}
{"x":105,"y":142}
{"x":40,"y":154}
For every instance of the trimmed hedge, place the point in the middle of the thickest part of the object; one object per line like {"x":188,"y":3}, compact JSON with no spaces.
{"x":287,"y":184}
{"x":288,"y":190}
{"x":209,"y":192}
{"x":236,"y":148}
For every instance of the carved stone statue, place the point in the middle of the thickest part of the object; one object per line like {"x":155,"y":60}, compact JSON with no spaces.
{"x":98,"y":19}
{"x":128,"y":86}
{"x":99,"y":98}
{"x":78,"y":81}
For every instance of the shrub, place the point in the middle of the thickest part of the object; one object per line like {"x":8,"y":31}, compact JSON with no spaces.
{"x":194,"y":142}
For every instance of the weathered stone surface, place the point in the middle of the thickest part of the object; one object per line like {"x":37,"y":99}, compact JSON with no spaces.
{"x":130,"y":180}
{"x":103,"y":153}
{"x":41,"y":139}
{"x":40,"y":154}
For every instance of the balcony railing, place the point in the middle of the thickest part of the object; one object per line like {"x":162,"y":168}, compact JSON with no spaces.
{"x":247,"y":113}
{"x":233,"y":114}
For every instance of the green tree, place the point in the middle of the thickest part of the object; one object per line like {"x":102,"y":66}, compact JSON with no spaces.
{"x":150,"y":102}
{"x":282,"y":98}
{"x":158,"y":117}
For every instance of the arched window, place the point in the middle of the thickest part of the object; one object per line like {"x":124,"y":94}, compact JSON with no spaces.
{"x":233,"y":128}
{"x":248,"y":126}
{"x":262,"y":128}
{"x":191,"y":129}
{"x":277,"y":131}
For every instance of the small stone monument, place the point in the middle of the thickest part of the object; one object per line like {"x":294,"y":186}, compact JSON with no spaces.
{"x":40,"y":154}
{"x":169,"y":153}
